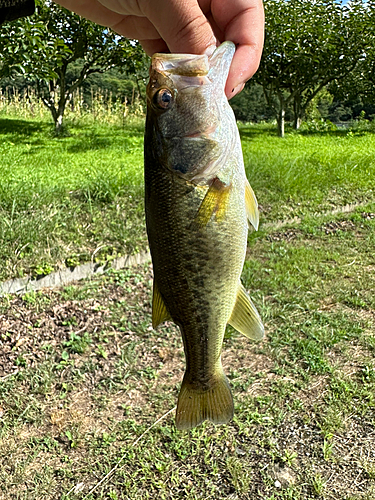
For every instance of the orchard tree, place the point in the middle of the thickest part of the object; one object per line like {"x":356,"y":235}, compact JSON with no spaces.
{"x":360,"y":83}
{"x":308,"y":44}
{"x":45,"y":45}
{"x":17,"y":39}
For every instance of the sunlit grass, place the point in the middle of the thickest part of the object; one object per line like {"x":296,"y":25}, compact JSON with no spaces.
{"x":308,"y":172}
{"x":98,"y":377}
{"x":63,"y":198}
{"x":70,"y":199}
{"x":84,"y":375}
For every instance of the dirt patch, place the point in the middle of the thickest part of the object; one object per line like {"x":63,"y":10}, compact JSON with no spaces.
{"x":336,"y":226}
{"x":287,"y":235}
{"x":33,"y":325}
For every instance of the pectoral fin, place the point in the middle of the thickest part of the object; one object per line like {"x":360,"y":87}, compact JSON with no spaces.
{"x":214,"y":203}
{"x":245,"y":318}
{"x":251,"y":206}
{"x":159,"y":310}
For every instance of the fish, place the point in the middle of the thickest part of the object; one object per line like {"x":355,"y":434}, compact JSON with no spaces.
{"x":198,"y":203}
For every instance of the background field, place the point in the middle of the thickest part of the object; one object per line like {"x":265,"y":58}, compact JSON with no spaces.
{"x":80,"y":197}
{"x":83,"y":375}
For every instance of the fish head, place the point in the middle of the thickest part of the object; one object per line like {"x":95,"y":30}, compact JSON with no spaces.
{"x":185,"y":102}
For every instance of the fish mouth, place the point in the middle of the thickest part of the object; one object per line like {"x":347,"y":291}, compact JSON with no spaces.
{"x":188,"y":65}
{"x":192,"y":70}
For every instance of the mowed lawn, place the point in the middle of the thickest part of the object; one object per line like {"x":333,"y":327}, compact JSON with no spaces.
{"x":64,"y":201}
{"x":83,"y":375}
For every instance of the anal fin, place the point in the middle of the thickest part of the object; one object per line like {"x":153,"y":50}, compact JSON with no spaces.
{"x":251,"y":206}
{"x":245,"y":318}
{"x":159,"y":310}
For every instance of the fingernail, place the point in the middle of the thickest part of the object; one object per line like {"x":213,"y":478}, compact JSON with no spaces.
{"x":237,"y":89}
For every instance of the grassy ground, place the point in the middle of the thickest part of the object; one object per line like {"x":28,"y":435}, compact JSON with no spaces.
{"x":68,"y":200}
{"x":80,"y":197}
{"x":83,"y":375}
{"x":308,"y":173}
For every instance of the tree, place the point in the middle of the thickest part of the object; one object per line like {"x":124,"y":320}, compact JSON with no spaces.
{"x":359,"y":85}
{"x":250,"y":104}
{"x":46,"y":45}
{"x":308,"y":44}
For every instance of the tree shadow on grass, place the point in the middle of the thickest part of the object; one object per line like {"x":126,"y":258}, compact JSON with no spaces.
{"x":21,"y":129}
{"x":323,"y":133}
{"x":89,"y":145}
{"x":251,"y":131}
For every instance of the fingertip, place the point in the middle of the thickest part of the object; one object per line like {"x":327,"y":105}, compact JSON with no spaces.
{"x":234,"y":91}
{"x":188,"y":31}
{"x":153,"y":46}
{"x":245,"y":63}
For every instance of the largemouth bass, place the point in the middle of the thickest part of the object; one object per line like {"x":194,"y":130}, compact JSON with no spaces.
{"x":198,"y":203}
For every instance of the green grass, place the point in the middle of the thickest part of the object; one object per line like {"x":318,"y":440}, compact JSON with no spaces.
{"x":83,"y":375}
{"x":64,"y":201}
{"x":88,"y":376}
{"x":308,"y":172}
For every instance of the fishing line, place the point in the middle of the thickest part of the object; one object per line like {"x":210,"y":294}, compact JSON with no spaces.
{"x":110,"y":473}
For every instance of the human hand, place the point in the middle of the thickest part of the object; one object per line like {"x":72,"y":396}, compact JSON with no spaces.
{"x":186,"y":26}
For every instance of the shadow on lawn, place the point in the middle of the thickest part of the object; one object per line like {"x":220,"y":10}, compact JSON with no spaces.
{"x":21,"y":129}
{"x":89,"y":144}
{"x":251,"y":131}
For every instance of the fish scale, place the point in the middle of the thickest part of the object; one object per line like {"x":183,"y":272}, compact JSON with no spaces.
{"x":196,"y":216}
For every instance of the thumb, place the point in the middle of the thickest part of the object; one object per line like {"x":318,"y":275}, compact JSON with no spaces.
{"x":182,"y":25}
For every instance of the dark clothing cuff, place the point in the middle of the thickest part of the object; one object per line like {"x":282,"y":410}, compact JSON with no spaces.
{"x":14,"y":9}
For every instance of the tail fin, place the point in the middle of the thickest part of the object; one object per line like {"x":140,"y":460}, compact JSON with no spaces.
{"x":196,"y":405}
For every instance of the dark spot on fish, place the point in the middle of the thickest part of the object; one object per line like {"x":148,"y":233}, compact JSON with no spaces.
{"x":181,"y":168}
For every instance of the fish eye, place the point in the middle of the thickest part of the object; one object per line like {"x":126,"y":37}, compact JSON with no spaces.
{"x":163,"y":98}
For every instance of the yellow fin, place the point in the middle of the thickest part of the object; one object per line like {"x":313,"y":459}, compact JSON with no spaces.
{"x":245,"y":318}
{"x":159,"y":311}
{"x":214,"y":203}
{"x":195,"y":405}
{"x":251,"y":206}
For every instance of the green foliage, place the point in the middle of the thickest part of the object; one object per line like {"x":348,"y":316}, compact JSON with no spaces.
{"x":250,"y":105}
{"x":307,"y":45}
{"x":45,"y":46}
{"x":77,"y":343}
{"x":357,"y":89}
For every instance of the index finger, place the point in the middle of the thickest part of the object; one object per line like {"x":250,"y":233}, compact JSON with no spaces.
{"x":242,"y":22}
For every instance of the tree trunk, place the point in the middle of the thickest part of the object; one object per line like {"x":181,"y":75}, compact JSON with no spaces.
{"x":59,"y":123}
{"x":280,"y":116}
{"x":297,"y":109}
{"x":281,"y":121}
{"x":63,"y":102}
{"x":297,"y":122}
